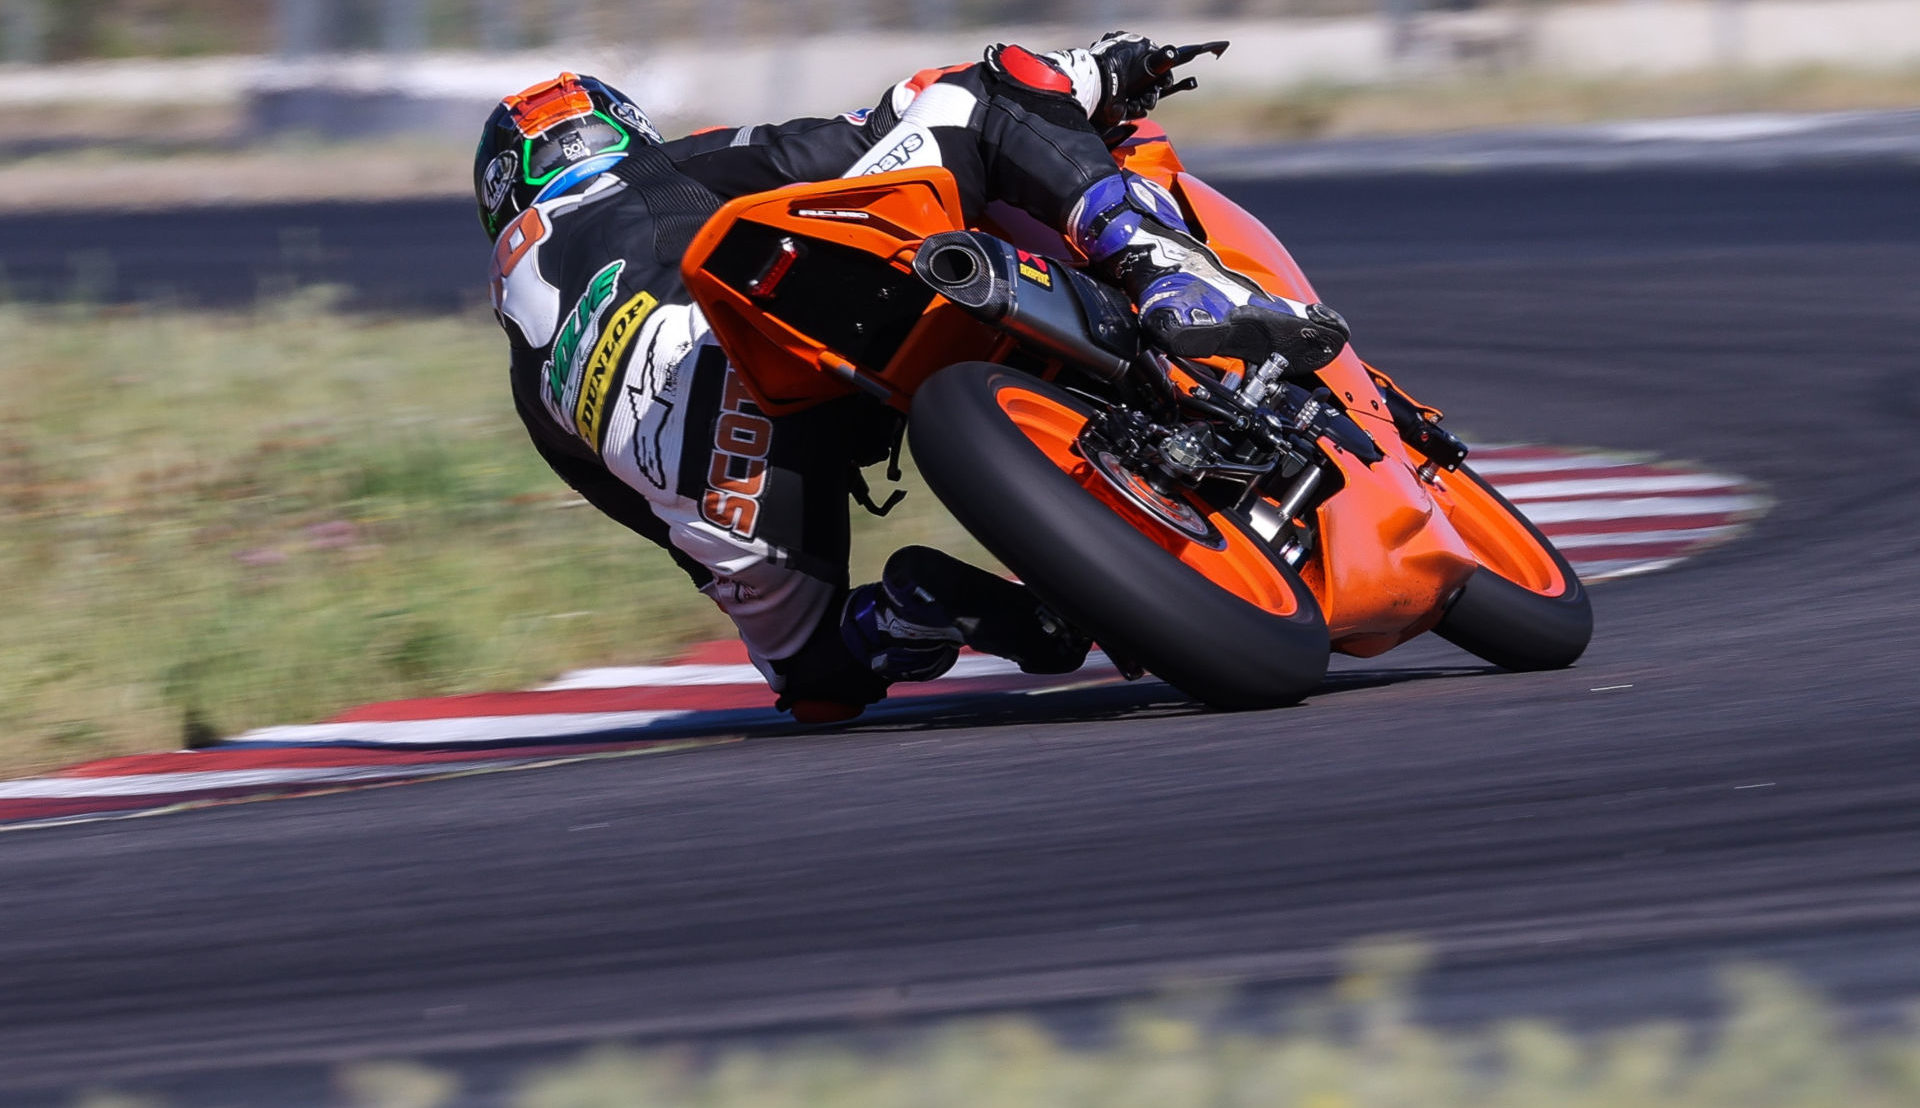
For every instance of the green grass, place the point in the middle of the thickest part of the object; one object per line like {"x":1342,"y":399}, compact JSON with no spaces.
{"x":215,"y":522}
{"x":1776,"y":1046}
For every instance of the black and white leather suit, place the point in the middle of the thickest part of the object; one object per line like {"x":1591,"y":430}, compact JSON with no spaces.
{"x":630,"y":400}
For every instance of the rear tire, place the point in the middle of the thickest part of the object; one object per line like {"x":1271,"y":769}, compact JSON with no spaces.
{"x":1509,"y":624}
{"x":1053,"y":520}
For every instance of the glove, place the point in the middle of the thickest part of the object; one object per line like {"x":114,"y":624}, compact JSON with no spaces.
{"x":1135,"y":73}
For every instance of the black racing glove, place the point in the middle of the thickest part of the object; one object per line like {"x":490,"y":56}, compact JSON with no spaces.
{"x":1135,"y":73}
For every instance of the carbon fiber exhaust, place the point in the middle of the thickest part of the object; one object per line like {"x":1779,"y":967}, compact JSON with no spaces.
{"x":1044,"y":302}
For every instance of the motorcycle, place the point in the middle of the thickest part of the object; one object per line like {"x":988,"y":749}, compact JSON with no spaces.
{"x":1221,"y":525}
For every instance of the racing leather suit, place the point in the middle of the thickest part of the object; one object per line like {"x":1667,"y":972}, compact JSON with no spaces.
{"x":629,"y":398}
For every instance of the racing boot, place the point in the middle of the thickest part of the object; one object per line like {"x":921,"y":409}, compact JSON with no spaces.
{"x":876,"y":638}
{"x":1191,"y":305}
{"x":989,"y":613}
{"x":910,"y":625}
{"x":901,"y":636}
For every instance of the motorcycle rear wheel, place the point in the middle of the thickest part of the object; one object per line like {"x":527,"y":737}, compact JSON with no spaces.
{"x":1524,"y":608}
{"x":1218,"y":617}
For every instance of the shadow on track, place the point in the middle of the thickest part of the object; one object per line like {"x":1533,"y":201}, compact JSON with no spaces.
{"x":1102,"y":702}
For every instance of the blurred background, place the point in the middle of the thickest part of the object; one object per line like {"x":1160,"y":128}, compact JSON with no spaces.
{"x":1300,"y":67}
{"x":259,"y":465}
{"x":254,"y":462}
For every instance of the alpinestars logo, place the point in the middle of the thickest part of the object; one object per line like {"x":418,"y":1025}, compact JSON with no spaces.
{"x":631,"y":115}
{"x":895,"y":625}
{"x":1158,"y":202}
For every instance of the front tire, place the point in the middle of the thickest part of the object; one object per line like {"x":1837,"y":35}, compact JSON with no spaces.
{"x":1228,"y":624}
{"x":1524,"y":608}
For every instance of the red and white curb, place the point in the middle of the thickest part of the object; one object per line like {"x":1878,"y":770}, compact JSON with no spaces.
{"x":1614,"y":515}
{"x":1619,"y":515}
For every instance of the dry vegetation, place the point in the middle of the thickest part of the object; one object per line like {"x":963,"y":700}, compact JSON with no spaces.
{"x":1777,"y":1046}
{"x":214,"y":522}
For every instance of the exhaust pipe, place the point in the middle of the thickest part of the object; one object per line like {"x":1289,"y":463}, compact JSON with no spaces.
{"x":1045,"y":303}
{"x":960,"y":271}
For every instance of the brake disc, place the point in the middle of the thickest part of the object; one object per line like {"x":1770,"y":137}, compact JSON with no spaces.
{"x":1176,"y":513}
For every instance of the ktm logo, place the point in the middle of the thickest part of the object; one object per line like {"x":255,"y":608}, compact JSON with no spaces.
{"x":737,"y":472}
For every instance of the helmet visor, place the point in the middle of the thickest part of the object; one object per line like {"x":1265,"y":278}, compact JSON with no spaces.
{"x":573,"y":141}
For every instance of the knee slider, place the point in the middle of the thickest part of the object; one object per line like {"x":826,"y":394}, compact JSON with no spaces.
{"x":826,"y":672}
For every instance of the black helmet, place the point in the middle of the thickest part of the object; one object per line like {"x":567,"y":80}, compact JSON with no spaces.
{"x":548,"y":138}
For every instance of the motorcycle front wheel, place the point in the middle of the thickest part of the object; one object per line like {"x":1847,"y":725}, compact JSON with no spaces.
{"x":1524,"y":608}
{"x":1189,"y":592}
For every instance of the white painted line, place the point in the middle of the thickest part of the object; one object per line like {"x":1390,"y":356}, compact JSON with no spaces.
{"x":628,"y":677}
{"x":1711,"y":128}
{"x":1567,"y":511}
{"x":469,"y":729}
{"x":1599,"y":555}
{"x":170,"y":784}
{"x":1610,"y":486}
{"x":1574,"y":539}
{"x":1502,"y":467}
{"x":1614,"y":570}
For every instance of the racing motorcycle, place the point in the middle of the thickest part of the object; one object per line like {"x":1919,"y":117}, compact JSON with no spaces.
{"x":1221,"y":525}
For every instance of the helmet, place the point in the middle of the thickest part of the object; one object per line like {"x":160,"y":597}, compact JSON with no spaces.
{"x":546,"y":139}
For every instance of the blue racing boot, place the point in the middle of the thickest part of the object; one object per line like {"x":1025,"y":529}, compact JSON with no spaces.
{"x":900,"y":636}
{"x":910,"y":625}
{"x":1190,"y":304}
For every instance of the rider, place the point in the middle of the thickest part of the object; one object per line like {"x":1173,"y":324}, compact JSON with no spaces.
{"x":628,"y":397}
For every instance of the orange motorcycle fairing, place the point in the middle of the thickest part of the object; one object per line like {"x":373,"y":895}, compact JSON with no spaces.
{"x":1246,"y":245}
{"x":1149,"y":152}
{"x":809,"y":288}
{"x":811,"y":291}
{"x":1389,"y":558}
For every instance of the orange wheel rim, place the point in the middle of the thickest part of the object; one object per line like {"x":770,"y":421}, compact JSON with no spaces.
{"x":1499,"y":539}
{"x":1235,"y":561}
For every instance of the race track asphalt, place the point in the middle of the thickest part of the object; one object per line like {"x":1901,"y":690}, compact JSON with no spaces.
{"x":1728,"y":775}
